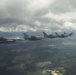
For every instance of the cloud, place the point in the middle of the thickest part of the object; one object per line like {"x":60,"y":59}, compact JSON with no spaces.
{"x":62,"y":6}
{"x":25,"y":15}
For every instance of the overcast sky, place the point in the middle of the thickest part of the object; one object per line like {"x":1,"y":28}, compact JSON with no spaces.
{"x":32,"y":15}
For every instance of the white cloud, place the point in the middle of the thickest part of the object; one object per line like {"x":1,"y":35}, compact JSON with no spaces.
{"x":25,"y":15}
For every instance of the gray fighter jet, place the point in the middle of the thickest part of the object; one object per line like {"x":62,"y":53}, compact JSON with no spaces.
{"x":31,"y":38}
{"x":49,"y":36}
{"x":64,"y":35}
{"x":4,"y":40}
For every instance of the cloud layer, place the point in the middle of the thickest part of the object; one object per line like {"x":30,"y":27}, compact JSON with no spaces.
{"x":25,"y":15}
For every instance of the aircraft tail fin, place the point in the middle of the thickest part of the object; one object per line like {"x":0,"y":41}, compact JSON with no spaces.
{"x":45,"y":35}
{"x":56,"y":34}
{"x":25,"y":35}
{"x":70,"y":33}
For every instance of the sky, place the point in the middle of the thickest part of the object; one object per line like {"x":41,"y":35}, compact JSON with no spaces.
{"x":34,"y":15}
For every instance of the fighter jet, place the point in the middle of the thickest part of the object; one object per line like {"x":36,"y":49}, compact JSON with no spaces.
{"x":64,"y":35}
{"x":49,"y":36}
{"x":4,"y":40}
{"x":31,"y":38}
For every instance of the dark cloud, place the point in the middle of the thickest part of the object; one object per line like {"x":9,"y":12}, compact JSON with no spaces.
{"x":63,"y":6}
{"x":21,"y":15}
